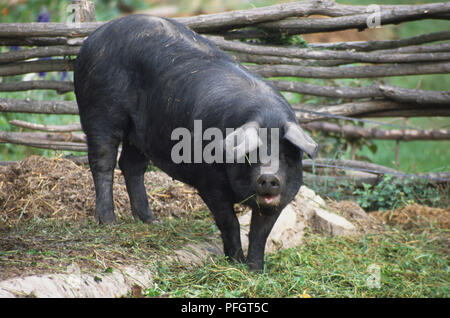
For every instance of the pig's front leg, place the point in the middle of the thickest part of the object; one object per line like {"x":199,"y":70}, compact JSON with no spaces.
{"x":260,"y":228}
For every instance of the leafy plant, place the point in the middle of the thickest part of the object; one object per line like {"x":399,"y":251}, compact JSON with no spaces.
{"x":393,"y":192}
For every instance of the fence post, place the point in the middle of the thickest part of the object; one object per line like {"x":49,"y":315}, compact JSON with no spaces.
{"x":84,"y":11}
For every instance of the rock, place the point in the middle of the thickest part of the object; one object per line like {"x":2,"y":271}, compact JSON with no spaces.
{"x":75,"y":284}
{"x":287,"y":231}
{"x":331,"y":224}
{"x":307,"y":209}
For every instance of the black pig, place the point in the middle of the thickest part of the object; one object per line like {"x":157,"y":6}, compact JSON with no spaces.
{"x":139,"y":78}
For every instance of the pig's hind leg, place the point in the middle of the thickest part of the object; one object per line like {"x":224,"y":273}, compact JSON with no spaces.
{"x":102,"y":155}
{"x":133,"y":164}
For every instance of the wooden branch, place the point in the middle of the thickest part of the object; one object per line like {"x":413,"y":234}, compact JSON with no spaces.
{"x":38,"y":106}
{"x":67,"y":136}
{"x":376,"y":133}
{"x":357,"y":21}
{"x":353,"y":109}
{"x":374,"y":108}
{"x":369,"y":57}
{"x":406,"y":95}
{"x":85,"y":11}
{"x":373,"y":45}
{"x":49,"y":128}
{"x":266,"y":59}
{"x":332,"y":182}
{"x":20,"y":55}
{"x":53,"y":65}
{"x":374,"y":168}
{"x":373,"y":71}
{"x":372,"y":91}
{"x":234,"y":19}
{"x":408,"y":113}
{"x":308,"y":165}
{"x":61,"y":87}
{"x":16,"y":138}
{"x":33,"y":41}
{"x":48,"y":29}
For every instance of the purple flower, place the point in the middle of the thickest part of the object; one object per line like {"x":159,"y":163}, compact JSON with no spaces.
{"x":44,"y":15}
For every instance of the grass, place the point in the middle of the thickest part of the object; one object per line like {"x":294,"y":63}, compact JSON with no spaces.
{"x":40,"y":245}
{"x":409,"y":266}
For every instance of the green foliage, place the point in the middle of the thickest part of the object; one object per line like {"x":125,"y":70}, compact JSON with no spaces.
{"x":393,"y":192}
{"x":284,"y":39}
{"x":410,"y":266}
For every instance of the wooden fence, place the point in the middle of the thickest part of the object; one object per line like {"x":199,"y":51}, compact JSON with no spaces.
{"x":247,"y":35}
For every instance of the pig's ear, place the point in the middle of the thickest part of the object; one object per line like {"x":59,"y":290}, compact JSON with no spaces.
{"x":247,"y":140}
{"x":297,"y":136}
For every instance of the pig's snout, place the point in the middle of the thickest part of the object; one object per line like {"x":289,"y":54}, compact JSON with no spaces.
{"x":268,"y":189}
{"x":268,"y":184}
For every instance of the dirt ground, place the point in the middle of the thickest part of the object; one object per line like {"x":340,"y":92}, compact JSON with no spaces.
{"x":61,"y":191}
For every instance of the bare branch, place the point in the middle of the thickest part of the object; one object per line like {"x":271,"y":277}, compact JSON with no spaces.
{"x":373,"y":45}
{"x":371,"y":91}
{"x":38,"y":52}
{"x":54,"y":65}
{"x":373,"y":71}
{"x":372,"y":57}
{"x":61,"y":87}
{"x":38,"y":106}
{"x":18,"y":139}
{"x":376,"y":133}
{"x":49,"y":128}
{"x":356,"y":21}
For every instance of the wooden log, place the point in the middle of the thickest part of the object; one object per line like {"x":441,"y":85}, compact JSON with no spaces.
{"x":33,"y":41}
{"x":59,"y":50}
{"x":408,"y":113}
{"x":66,"y":137}
{"x":310,"y":165}
{"x":372,"y":71}
{"x":397,"y":110}
{"x":275,"y":60}
{"x":356,"y":180}
{"x":377,"y":133}
{"x":374,"y":108}
{"x":17,"y":139}
{"x":61,"y":87}
{"x":373,"y":45}
{"x":356,"y":21}
{"x":48,"y":29}
{"x":341,"y":164}
{"x":231,"y":20}
{"x":308,"y":112}
{"x":85,"y":11}
{"x":293,"y":52}
{"x":53,"y":65}
{"x":38,"y":106}
{"x":372,"y":91}
{"x":48,"y":128}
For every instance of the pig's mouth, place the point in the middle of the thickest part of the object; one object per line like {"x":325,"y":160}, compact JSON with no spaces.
{"x":268,"y":200}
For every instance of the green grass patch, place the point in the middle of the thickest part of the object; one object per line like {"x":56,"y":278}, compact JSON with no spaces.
{"x":409,"y":266}
{"x":43,"y":245}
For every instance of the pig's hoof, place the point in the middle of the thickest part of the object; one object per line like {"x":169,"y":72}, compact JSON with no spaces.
{"x":146,"y":217}
{"x":105,"y":218}
{"x":255,"y":267}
